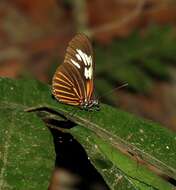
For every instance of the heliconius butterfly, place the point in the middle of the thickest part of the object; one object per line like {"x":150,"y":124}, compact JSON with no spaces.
{"x":73,"y":81}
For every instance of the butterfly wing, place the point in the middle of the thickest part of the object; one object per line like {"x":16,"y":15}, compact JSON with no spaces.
{"x":73,"y":80}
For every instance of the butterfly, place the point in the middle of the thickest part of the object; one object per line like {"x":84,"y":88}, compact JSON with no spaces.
{"x":73,"y":81}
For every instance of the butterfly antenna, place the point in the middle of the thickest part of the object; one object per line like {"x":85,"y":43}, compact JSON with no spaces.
{"x":109,"y":92}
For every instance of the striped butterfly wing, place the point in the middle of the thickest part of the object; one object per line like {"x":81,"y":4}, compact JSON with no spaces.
{"x":73,"y":81}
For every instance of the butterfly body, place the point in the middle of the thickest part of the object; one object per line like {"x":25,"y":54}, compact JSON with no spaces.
{"x":73,"y":81}
{"x":88,"y":105}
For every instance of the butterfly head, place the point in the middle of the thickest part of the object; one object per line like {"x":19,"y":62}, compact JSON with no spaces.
{"x":90,"y":105}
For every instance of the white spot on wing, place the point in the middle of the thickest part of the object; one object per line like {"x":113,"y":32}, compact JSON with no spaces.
{"x":78,"y":57}
{"x":75,"y":63}
{"x":88,"y":72}
{"x":90,"y":60}
{"x":81,"y":54}
{"x":87,"y":60}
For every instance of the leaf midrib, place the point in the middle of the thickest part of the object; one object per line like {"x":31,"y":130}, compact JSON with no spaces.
{"x":121,"y":144}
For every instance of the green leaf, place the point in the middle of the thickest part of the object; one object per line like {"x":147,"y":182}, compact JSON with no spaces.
{"x":26,"y":151}
{"x":126,"y":143}
{"x":116,"y":168}
{"x":144,"y":141}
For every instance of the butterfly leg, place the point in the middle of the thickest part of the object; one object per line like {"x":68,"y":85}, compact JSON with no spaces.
{"x":97,"y":107}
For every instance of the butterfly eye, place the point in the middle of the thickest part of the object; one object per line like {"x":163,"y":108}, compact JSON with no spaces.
{"x":73,"y":82}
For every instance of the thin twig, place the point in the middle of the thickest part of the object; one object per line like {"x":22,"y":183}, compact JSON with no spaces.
{"x":80,"y":14}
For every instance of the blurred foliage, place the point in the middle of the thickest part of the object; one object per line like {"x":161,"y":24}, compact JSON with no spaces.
{"x":138,"y":60}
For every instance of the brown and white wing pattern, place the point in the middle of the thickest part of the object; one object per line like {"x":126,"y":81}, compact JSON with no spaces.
{"x":73,"y":81}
